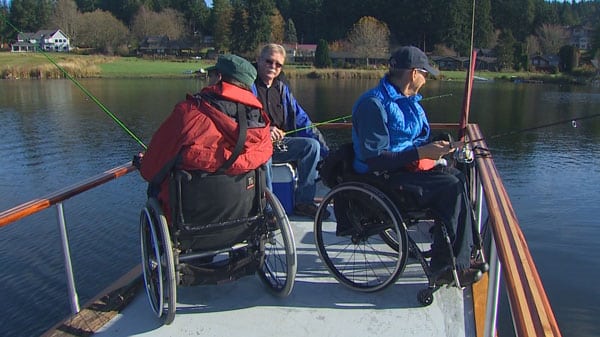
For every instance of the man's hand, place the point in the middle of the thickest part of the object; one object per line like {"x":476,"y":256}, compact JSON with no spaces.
{"x":435,"y":150}
{"x":276,"y":134}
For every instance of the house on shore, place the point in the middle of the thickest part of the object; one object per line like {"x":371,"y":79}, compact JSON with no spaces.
{"x":45,"y":40}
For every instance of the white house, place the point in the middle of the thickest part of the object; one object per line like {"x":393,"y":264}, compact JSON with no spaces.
{"x":46,"y":40}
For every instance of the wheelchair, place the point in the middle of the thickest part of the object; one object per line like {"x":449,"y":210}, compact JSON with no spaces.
{"x":248,"y":233}
{"x":375,"y":230}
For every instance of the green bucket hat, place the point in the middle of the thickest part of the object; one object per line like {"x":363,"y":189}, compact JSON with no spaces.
{"x":235,"y":67}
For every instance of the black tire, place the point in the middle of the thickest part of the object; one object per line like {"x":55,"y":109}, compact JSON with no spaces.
{"x":278,"y":271}
{"x":158,"y":264}
{"x":351,"y":242}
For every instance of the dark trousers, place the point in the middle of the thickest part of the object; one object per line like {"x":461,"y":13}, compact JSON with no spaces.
{"x":445,"y":193}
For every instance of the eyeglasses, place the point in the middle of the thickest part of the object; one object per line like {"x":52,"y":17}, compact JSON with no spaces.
{"x":423,"y":72}
{"x":273,"y":62}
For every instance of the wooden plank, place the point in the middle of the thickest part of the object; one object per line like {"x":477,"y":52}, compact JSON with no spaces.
{"x":102,"y":309}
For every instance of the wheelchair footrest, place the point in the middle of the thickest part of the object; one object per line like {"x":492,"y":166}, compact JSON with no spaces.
{"x":231,"y":269}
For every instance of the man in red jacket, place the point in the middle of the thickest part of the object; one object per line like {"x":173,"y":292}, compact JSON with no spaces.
{"x":202,"y":131}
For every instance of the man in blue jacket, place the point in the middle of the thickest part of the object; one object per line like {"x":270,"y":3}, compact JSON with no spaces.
{"x":390,"y":133}
{"x":304,"y":147}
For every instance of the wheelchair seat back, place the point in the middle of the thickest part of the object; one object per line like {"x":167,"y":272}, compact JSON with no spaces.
{"x":215,"y":211}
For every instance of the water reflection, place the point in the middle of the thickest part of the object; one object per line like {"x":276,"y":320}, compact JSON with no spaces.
{"x":54,"y":136}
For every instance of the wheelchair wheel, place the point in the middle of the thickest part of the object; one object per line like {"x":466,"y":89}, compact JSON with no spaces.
{"x":157,"y":262}
{"x":278,"y":271}
{"x":351,"y":244}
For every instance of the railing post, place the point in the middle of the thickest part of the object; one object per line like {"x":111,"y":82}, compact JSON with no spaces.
{"x":67,"y":257}
{"x":491,"y":310}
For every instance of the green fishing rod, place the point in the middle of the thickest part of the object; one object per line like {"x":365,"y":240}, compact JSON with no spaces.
{"x":84,"y":90}
{"x":350,"y":116}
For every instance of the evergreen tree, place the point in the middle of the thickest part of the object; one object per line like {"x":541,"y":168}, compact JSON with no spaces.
{"x":322,"y":59}
{"x":505,"y":50}
{"x":29,"y":15}
{"x":239,"y":28}
{"x":259,"y":22}
{"x":569,"y":58}
{"x":290,"y":32}
{"x":6,"y":31}
{"x":484,"y":29}
{"x":222,"y":17}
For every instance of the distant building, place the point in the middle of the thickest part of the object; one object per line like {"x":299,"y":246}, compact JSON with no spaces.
{"x":581,"y":37}
{"x":545,"y":62}
{"x":300,"y":53}
{"x":46,"y":40}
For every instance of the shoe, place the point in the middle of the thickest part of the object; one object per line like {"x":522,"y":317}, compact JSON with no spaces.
{"x":465,"y":276}
{"x":480,"y":265}
{"x":309,"y":210}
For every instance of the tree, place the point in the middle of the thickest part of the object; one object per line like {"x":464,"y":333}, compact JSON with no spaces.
{"x":290,"y":32}
{"x":65,"y":16}
{"x":551,"y":38}
{"x":239,"y":28}
{"x":169,"y":23}
{"x":484,"y":28}
{"x":102,"y":31}
{"x":277,"y":27}
{"x":259,"y":22}
{"x":370,"y":38}
{"x":29,"y":15}
{"x":569,"y":58}
{"x":322,"y":59}
{"x":222,"y":16}
{"x":506,"y":50}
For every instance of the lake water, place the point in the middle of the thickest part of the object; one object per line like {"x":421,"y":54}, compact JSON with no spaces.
{"x":54,"y":136}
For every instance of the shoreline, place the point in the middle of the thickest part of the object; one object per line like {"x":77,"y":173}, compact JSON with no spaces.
{"x":38,"y":66}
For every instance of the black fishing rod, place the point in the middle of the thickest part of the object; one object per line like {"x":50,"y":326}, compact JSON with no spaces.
{"x":84,"y":90}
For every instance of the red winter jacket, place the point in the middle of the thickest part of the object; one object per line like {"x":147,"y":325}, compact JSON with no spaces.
{"x":206,"y":137}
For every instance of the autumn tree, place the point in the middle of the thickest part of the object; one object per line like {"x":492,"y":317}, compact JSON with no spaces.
{"x":168,"y":22}
{"x":101,"y":31}
{"x":551,"y":38}
{"x":277,"y":27}
{"x":369,"y":38}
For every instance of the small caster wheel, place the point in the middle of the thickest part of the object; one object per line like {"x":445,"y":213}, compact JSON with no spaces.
{"x":425,"y":297}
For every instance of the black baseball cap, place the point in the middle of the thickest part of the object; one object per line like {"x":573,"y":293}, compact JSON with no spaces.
{"x":410,"y":57}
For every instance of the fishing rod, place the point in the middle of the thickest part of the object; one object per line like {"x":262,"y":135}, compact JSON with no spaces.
{"x":350,"y":116}
{"x":572,"y":121}
{"x":85,"y":91}
{"x":464,"y":154}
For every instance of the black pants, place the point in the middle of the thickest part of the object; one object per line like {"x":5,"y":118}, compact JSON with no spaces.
{"x":445,"y":193}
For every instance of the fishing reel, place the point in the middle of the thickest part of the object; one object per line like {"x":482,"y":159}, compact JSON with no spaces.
{"x":464,"y":154}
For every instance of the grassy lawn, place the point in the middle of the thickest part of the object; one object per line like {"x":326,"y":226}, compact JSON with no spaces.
{"x":136,"y":67}
{"x":37,"y":65}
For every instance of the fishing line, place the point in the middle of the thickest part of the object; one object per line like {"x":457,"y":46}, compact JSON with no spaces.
{"x":572,"y":121}
{"x":85,"y":91}
{"x":350,"y":116}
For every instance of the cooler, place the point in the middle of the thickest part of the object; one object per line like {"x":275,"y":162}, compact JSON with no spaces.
{"x":284,"y":185}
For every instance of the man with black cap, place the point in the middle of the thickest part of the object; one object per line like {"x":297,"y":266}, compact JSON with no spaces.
{"x":390,"y":133}
{"x":201,"y":133}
